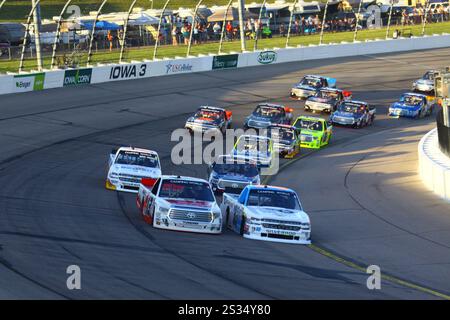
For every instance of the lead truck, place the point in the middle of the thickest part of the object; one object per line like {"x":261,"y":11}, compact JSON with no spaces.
{"x":267,"y":213}
{"x":180,"y":204}
{"x":127,"y":166}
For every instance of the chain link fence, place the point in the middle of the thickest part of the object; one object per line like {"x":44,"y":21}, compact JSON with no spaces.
{"x":180,"y":28}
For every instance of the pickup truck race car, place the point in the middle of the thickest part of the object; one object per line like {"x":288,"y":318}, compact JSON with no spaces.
{"x":232,"y":174}
{"x":412,"y":105}
{"x":209,"y":118}
{"x":286,"y":139}
{"x":315,"y":132}
{"x":267,"y":114}
{"x":267,"y":213}
{"x":353,"y":113}
{"x":326,"y":99}
{"x":127,"y":166}
{"x":426,"y":83}
{"x":254,"y":148}
{"x":310,"y":84}
{"x":181,"y":204}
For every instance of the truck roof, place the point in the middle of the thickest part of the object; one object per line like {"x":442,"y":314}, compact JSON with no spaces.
{"x":137,"y":150}
{"x":272,"y":105}
{"x":266,"y":187}
{"x":211,"y":108}
{"x":311,"y":118}
{"x":236,"y":158}
{"x":355,"y":101}
{"x":250,"y":136}
{"x":173,"y":177}
{"x":415,"y":94}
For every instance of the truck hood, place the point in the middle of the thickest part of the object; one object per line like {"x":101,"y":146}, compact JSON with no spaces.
{"x":321,"y":100}
{"x":233,"y":177}
{"x":189,"y":204}
{"x":347,"y":114}
{"x":399,"y":105}
{"x":202,"y":121}
{"x":251,"y":154}
{"x":306,"y":132}
{"x":136,"y":170}
{"x":304,"y":87}
{"x":425,"y":82}
{"x":279,"y":213}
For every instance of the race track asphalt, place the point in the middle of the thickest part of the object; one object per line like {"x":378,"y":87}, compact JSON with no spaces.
{"x":365,"y":200}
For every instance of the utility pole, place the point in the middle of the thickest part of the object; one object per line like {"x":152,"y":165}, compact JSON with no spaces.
{"x":241,"y":11}
{"x":37,"y":34}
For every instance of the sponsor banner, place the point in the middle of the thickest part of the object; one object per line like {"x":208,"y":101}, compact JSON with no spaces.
{"x":128,"y":71}
{"x":119,"y":72}
{"x":77,"y":77}
{"x":267,"y":57}
{"x":225,"y":61}
{"x":180,"y":66}
{"x":28,"y":82}
{"x":173,"y":67}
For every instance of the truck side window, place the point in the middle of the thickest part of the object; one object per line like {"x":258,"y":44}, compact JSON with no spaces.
{"x":243,"y":196}
{"x":156,"y":186}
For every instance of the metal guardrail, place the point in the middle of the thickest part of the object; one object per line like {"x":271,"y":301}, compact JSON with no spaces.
{"x":443,"y":133}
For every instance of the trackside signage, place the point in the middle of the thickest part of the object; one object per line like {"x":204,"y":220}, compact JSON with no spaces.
{"x":267,"y":57}
{"x":29,"y":82}
{"x":76,"y":77}
{"x":225,"y":61}
{"x":129,"y":71}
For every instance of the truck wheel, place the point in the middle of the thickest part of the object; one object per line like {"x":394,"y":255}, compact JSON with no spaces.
{"x":241,"y":229}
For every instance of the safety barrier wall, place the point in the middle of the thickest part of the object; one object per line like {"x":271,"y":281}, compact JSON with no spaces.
{"x":144,"y":69}
{"x":434,"y":166}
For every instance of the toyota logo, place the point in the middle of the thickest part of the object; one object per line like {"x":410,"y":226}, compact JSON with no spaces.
{"x":190,"y":215}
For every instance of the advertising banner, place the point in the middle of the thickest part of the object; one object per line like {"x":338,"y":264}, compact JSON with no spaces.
{"x":29,"y":82}
{"x":77,"y":77}
{"x":225,"y":61}
{"x":117,"y":72}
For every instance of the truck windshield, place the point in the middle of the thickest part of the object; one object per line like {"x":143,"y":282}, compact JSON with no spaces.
{"x":428,"y":76}
{"x":209,"y":115}
{"x":410,"y":99}
{"x":282,"y":134}
{"x":327,"y":94}
{"x":186,"y":189}
{"x":244,"y":169}
{"x":351,"y":107}
{"x":273,"y":198}
{"x":309,"y":124}
{"x":252,"y":145}
{"x":310,"y":82}
{"x":267,"y":111}
{"x":137,"y":159}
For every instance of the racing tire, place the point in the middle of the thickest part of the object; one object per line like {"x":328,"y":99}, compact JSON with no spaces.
{"x":241,"y":228}
{"x":419,"y":115}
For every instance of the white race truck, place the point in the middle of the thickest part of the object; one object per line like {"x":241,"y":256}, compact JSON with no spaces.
{"x":267,"y":213}
{"x":180,"y":203}
{"x":127,"y":166}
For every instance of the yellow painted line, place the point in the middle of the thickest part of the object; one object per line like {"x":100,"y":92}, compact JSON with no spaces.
{"x":383,"y":276}
{"x":353,"y":265}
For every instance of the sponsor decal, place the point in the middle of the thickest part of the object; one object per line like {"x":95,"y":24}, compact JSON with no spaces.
{"x":76,"y":77}
{"x":225,"y":61}
{"x":178,"y":67}
{"x":29,"y":82}
{"x":128,"y":71}
{"x":267,"y":57}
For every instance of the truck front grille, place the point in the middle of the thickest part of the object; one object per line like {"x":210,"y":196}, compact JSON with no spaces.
{"x":188,"y":215}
